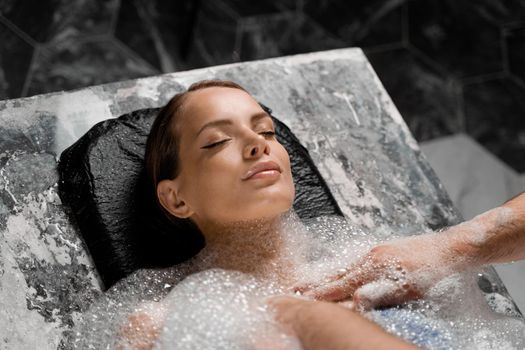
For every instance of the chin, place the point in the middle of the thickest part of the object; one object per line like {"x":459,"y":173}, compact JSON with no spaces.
{"x":270,"y":209}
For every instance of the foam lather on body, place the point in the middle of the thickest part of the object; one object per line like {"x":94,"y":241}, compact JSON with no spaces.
{"x":196,"y":306}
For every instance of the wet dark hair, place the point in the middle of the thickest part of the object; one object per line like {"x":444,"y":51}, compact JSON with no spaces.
{"x":162,"y":147}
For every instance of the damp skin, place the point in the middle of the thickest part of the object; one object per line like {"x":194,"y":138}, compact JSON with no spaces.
{"x":404,"y":269}
{"x":209,"y":308}
{"x":223,"y":134}
{"x":216,"y":300}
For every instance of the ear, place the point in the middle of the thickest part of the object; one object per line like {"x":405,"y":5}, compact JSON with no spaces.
{"x":167,"y":192}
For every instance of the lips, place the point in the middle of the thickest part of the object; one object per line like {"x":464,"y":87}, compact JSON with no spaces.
{"x":259,"y":167}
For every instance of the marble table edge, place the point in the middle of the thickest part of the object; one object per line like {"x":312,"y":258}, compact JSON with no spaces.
{"x":343,"y":53}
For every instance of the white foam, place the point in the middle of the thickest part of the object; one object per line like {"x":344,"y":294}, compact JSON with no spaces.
{"x":221,"y":309}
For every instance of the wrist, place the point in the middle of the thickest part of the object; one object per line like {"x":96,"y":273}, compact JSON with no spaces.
{"x":459,"y":247}
{"x":474,"y":241}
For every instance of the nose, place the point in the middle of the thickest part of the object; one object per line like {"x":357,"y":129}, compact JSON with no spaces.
{"x":256,"y":147}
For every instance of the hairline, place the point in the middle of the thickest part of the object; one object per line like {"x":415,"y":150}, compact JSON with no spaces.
{"x":182,"y":108}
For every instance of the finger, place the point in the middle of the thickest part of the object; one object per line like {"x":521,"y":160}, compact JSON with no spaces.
{"x":384,"y":293}
{"x":304,"y":287}
{"x":349,"y":304}
{"x":344,"y":288}
{"x":334,"y":291}
{"x":361,"y":271}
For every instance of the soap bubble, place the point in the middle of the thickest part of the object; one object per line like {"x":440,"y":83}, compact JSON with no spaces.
{"x":196,"y":305}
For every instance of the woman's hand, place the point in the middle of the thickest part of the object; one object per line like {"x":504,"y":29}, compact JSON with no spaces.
{"x":391,"y":273}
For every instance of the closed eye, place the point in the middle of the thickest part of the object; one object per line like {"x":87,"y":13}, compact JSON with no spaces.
{"x":268,"y":133}
{"x":215,"y":143}
{"x":265,"y":133}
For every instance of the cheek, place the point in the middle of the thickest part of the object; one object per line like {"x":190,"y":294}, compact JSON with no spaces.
{"x":284,"y":158}
{"x":216,"y":178}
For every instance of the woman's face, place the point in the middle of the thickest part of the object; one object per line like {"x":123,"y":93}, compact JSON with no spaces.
{"x":223,"y":134}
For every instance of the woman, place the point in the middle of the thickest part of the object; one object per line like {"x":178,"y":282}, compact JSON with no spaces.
{"x":215,"y":162}
{"x":218,"y":169}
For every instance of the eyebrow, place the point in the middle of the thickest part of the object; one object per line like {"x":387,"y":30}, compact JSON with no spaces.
{"x":253,"y":119}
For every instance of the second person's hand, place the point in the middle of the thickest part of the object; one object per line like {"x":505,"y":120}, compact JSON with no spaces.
{"x":391,"y":273}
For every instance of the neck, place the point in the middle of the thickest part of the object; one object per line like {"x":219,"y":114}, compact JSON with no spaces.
{"x":252,"y":247}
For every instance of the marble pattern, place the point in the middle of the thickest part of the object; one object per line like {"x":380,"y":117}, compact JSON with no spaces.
{"x":282,"y":34}
{"x":500,"y":12}
{"x":332,"y":100}
{"x":51,"y":18}
{"x":458,"y":42}
{"x":15,"y":58}
{"x":215,"y":35}
{"x":160,"y":31}
{"x":360,"y":23}
{"x":241,"y":9}
{"x":71,"y":62}
{"x":455,"y":36}
{"x":515,"y":43}
{"x":427,"y":99}
{"x":498,"y":102}
{"x":39,"y":28}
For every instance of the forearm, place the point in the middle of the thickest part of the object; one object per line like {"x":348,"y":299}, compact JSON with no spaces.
{"x":496,"y":236}
{"x":327,"y":326}
{"x":517,"y":232}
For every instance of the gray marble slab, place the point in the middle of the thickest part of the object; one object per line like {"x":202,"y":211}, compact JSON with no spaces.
{"x":332,"y":100}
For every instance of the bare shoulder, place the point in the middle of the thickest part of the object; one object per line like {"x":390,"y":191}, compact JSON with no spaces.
{"x":141,"y":328}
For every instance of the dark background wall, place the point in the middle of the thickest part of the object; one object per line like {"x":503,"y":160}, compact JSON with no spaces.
{"x":450,"y":65}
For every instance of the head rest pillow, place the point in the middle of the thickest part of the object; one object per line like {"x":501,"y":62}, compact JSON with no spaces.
{"x":104,"y":185}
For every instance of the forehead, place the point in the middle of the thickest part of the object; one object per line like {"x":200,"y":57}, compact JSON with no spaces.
{"x":213,"y":103}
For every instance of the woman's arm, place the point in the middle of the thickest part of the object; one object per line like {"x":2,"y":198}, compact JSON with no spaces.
{"x":328,"y":326}
{"x":406,"y":268}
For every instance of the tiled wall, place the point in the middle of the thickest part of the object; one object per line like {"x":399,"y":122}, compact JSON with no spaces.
{"x":450,"y":65}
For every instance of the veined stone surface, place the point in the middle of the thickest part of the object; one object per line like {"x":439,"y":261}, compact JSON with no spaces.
{"x":332,"y":101}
